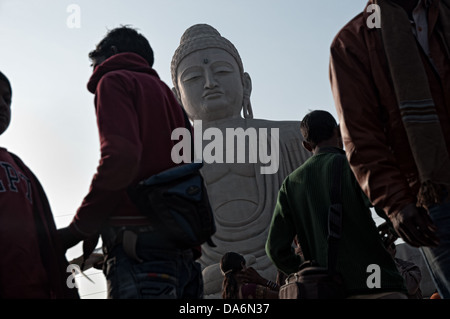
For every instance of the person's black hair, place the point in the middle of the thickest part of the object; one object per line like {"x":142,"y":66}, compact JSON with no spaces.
{"x":124,"y":39}
{"x":5,"y":79}
{"x":317,"y":126}
{"x":230,"y":264}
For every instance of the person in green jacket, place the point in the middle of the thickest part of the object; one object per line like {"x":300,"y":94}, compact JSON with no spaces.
{"x":367,"y":269}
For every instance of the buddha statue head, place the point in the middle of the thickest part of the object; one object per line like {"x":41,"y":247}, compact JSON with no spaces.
{"x":208,"y":76}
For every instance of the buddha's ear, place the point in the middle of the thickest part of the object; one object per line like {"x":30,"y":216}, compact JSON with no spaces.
{"x":246,"y":104}
{"x":177,"y":95}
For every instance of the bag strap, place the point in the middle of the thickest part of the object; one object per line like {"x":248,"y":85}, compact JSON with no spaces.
{"x":335,"y":212}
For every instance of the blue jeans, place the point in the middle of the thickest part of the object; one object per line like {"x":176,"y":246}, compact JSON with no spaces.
{"x":164,"y":273}
{"x":438,"y":259}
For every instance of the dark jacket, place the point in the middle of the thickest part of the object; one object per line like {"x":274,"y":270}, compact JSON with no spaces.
{"x":374,"y":136}
{"x":302,"y":211}
{"x":136,"y":114}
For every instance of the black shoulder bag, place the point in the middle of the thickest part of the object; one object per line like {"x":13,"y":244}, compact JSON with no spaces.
{"x":313,"y":281}
{"x":177,"y":204}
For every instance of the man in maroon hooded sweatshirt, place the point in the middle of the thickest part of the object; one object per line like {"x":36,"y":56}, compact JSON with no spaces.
{"x":136,"y":114}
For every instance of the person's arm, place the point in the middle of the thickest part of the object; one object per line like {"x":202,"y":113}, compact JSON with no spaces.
{"x":121,"y":149}
{"x":250,"y":275}
{"x":281,"y":234}
{"x":411,"y":273}
{"x":370,"y":158}
{"x":358,"y":108}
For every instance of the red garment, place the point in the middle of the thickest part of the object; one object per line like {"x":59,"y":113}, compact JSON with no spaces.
{"x":136,"y":114}
{"x":372,"y":128}
{"x":248,"y":291}
{"x":32,"y":264}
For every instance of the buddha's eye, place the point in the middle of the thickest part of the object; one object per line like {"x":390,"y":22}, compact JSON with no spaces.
{"x":223,"y":70}
{"x":191,"y":76}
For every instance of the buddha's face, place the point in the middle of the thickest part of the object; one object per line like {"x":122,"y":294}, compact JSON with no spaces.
{"x":210,"y":85}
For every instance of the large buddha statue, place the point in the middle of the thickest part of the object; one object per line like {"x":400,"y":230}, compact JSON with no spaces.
{"x":210,"y":82}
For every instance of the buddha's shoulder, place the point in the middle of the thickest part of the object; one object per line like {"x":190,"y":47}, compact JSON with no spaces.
{"x":285,"y":128}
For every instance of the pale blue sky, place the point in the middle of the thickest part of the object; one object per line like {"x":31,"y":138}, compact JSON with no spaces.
{"x":284,"y":46}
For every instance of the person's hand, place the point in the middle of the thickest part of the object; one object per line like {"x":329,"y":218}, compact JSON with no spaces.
{"x":250,"y":275}
{"x":89,"y":245}
{"x":68,"y":238}
{"x":95,"y":260}
{"x":415,"y":227}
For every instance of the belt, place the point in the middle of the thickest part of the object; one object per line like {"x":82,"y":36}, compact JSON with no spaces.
{"x":125,"y":235}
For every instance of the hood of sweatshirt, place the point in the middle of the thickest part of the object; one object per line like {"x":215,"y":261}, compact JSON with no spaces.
{"x":121,"y":61}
